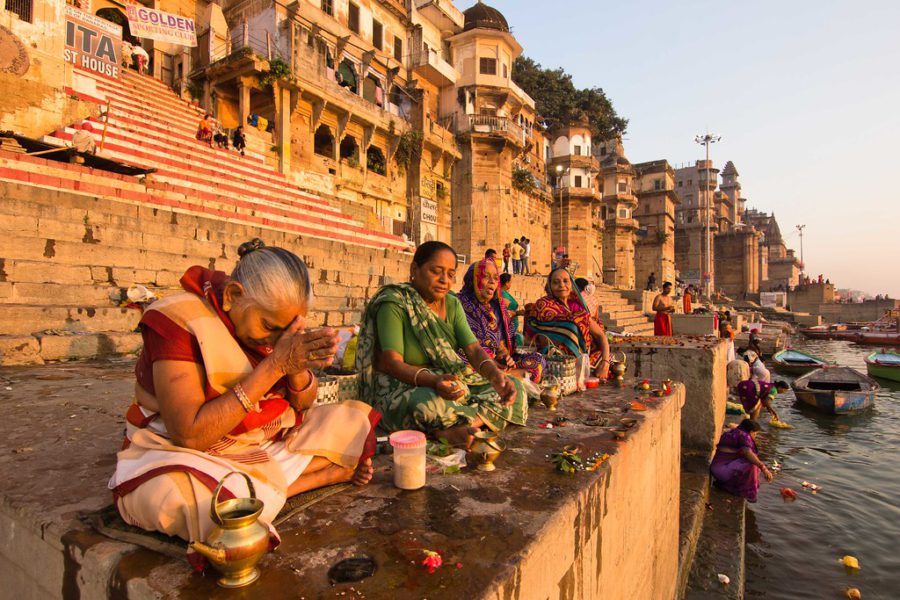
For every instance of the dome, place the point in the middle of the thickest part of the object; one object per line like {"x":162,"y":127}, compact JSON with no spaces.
{"x":482,"y":16}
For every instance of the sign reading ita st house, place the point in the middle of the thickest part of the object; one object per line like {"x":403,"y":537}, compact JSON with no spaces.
{"x":93,"y":44}
{"x":161,"y":26}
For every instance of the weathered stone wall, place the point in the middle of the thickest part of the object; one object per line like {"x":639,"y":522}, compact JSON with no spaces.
{"x":702,"y":368}
{"x":33,"y":72}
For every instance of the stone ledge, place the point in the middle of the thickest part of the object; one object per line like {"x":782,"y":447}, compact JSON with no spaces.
{"x":523,"y":531}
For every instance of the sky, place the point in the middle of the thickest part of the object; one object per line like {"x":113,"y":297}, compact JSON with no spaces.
{"x":805,"y":94}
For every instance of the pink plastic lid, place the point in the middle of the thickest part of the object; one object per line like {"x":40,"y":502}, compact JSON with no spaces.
{"x":407,"y":439}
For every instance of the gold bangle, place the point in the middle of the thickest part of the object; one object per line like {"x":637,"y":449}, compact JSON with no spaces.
{"x":244,"y":399}
{"x":294,"y":390}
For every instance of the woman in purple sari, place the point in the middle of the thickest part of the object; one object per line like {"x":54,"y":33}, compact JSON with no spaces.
{"x":736,"y":465}
{"x":486,"y":311}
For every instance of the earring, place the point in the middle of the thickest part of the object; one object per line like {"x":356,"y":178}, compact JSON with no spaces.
{"x":226,"y":306}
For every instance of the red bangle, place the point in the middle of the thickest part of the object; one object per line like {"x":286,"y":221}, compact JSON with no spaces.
{"x":294,"y":390}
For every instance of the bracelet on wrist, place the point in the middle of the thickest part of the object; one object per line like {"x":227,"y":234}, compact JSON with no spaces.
{"x":481,"y":364}
{"x":416,"y":376}
{"x":244,"y":399}
{"x":306,"y":387}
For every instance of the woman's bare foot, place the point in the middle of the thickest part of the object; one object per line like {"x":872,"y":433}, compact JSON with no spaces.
{"x":363,"y":473}
{"x":460,"y":436}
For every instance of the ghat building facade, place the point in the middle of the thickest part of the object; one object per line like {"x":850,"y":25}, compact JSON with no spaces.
{"x":403,"y":115}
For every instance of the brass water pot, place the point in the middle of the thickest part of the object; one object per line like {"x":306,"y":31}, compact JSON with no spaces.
{"x":618,"y":367}
{"x":239,"y":541}
{"x":485,"y":450}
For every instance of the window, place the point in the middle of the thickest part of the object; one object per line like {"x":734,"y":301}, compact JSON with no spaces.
{"x":487,"y":66}
{"x":349,"y":150}
{"x":328,"y":7}
{"x":323,"y":142}
{"x":623,"y":213}
{"x":577,"y":151}
{"x":657,"y":184}
{"x":353,"y":18}
{"x":398,"y":49}
{"x":375,"y":161}
{"x":623,"y":187}
{"x":603,"y":151}
{"x":690,"y":182}
{"x":505,"y":71}
{"x":377,"y":35}
{"x":578,"y":181}
{"x":680,"y":183}
{"x":22,"y":8}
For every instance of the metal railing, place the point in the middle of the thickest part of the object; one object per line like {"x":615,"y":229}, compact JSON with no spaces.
{"x":23,"y":8}
{"x":491,"y":124}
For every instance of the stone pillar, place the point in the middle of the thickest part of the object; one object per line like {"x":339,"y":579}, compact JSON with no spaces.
{"x":243,"y":101}
{"x":283,"y":127}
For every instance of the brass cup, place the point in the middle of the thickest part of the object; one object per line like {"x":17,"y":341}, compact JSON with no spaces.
{"x":485,"y":450}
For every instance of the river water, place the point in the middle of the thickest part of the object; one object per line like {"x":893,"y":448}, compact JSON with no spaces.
{"x":793,"y":549}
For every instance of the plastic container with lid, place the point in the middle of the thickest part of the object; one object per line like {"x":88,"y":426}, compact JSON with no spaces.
{"x":409,"y":459}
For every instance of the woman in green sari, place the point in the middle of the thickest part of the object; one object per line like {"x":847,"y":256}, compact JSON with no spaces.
{"x":408,"y":364}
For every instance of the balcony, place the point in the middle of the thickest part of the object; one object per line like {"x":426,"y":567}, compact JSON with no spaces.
{"x":443,"y":14}
{"x":485,"y":124}
{"x":428,"y":63}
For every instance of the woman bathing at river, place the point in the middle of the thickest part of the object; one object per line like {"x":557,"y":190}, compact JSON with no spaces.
{"x":223,"y":383}
{"x":736,"y":464}
{"x":408,"y":364}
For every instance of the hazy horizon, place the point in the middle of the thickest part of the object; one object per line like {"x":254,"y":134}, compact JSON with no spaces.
{"x":804,"y":94}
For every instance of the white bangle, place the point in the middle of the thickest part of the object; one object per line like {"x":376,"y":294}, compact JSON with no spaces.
{"x":481,"y":364}
{"x":416,"y":376}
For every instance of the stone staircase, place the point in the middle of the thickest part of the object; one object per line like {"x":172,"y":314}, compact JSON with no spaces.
{"x":620,"y":315}
{"x":75,"y":238}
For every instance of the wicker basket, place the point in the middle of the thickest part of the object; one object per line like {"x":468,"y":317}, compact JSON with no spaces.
{"x":329,"y":390}
{"x":348,"y":383}
{"x":560,"y":365}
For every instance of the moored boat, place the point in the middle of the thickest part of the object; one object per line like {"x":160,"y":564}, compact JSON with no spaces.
{"x":836,"y":390}
{"x":796,"y":362}
{"x":884,"y":365}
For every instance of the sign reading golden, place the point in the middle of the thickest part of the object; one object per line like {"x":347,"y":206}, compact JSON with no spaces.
{"x":161,"y":26}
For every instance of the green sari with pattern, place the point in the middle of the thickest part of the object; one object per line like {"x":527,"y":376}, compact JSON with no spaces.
{"x":405,"y":406}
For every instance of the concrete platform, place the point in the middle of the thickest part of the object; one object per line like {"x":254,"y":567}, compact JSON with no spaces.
{"x":699,"y":362}
{"x":720,"y":550}
{"x":523,"y":531}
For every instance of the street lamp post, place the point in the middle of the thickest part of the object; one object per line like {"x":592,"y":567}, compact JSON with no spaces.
{"x":705,"y":140}
{"x":560,"y":170}
{"x":800,"y":228}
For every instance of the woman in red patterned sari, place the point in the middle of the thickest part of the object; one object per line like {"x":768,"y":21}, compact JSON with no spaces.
{"x":562,"y":318}
{"x":224,"y":384}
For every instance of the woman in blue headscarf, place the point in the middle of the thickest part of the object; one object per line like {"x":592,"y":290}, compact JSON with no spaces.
{"x":488,"y":319}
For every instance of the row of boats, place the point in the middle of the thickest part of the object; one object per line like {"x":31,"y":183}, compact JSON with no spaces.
{"x":835,"y":389}
{"x":883,"y":332}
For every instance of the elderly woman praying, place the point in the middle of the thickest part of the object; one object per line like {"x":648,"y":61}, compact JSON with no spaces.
{"x":408,"y":363}
{"x":224,"y":383}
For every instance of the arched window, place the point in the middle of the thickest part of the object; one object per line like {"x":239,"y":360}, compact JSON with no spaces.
{"x":323,"y":142}
{"x":349,"y":149}
{"x":114,"y":15}
{"x":375,"y":160}
{"x":346,"y":76}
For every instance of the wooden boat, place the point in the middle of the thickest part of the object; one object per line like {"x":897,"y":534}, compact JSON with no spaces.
{"x":884,"y":365}
{"x":877,"y":338}
{"x":796,"y":362}
{"x":836,"y":390}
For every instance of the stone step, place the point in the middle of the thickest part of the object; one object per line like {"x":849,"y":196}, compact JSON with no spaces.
{"x":32,"y":350}
{"x":720,"y":550}
{"x":692,"y":510}
{"x":629,"y":321}
{"x":25,"y":319}
{"x":181,"y":169}
{"x":23,"y":170}
{"x":12,"y":292}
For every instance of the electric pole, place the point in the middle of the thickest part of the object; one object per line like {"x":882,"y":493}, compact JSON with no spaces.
{"x":707,"y":265}
{"x":800,"y":228}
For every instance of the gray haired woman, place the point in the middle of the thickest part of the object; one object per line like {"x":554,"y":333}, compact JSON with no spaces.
{"x":224,"y":383}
